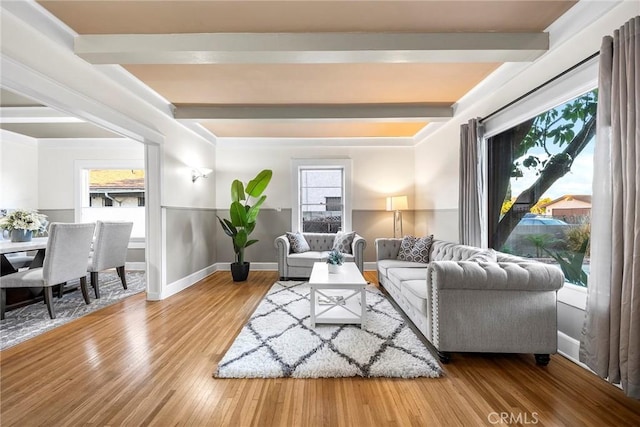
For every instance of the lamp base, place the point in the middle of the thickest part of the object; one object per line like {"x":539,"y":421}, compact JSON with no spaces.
{"x":397,"y":224}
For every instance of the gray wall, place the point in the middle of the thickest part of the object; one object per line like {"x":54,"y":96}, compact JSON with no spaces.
{"x":68,"y":215}
{"x":273,"y":223}
{"x":192,"y":234}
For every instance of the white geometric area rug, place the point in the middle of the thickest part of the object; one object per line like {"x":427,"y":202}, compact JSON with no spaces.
{"x":278,"y":342}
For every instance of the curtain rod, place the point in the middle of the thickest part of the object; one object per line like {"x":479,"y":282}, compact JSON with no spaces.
{"x":537,"y":88}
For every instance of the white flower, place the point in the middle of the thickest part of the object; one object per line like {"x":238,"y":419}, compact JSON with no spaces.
{"x":24,"y":219}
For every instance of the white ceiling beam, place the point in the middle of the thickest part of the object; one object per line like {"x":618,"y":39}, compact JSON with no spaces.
{"x":378,"y":112}
{"x":35,"y":115}
{"x":310,"y":48}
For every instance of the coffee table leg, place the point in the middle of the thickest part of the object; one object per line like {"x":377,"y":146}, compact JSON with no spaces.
{"x":313,"y":306}
{"x":363,"y":306}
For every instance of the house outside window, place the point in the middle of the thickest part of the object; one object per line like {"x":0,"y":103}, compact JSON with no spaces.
{"x":321,"y":203}
{"x":540,"y":175}
{"x":111,"y":192}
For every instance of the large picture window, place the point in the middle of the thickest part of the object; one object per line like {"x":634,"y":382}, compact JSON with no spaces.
{"x":540,"y":176}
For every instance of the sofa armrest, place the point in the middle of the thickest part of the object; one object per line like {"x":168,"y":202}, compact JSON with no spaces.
{"x":387,"y":248}
{"x":509,"y":276}
{"x":357,"y":249}
{"x":282,"y":245}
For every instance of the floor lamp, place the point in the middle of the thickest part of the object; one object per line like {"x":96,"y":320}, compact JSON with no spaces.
{"x":397,"y":204}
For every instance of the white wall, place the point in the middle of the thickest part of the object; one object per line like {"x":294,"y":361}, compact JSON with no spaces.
{"x":437,"y":156}
{"x":38,"y":61}
{"x":57,"y":159}
{"x":18,"y":171}
{"x":179,"y":159}
{"x":377,"y":172}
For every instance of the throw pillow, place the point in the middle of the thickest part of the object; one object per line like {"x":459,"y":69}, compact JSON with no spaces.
{"x":343,"y":241}
{"x":298,"y":243}
{"x":486,"y":255}
{"x":415,"y":249}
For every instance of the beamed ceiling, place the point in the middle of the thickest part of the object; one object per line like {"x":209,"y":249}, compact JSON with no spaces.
{"x":310,"y":68}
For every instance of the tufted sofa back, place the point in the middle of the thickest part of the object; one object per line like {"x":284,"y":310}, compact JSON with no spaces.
{"x":447,"y":251}
{"x":320,"y":241}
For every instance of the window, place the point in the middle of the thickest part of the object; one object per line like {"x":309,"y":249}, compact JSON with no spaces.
{"x":321,"y":203}
{"x":111,"y":190}
{"x":321,"y":195}
{"x":540,"y":174}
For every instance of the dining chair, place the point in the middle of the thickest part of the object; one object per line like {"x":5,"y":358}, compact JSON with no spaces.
{"x":65,"y":259}
{"x":109,"y":250}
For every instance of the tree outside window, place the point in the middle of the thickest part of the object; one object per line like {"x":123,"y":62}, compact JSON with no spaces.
{"x":540,"y":177}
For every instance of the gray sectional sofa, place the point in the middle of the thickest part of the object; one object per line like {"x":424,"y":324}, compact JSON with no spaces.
{"x":299,"y":265}
{"x":508,"y":306}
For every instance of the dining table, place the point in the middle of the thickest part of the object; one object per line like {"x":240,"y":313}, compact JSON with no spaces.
{"x":38,"y":244}
{"x":19,"y":297}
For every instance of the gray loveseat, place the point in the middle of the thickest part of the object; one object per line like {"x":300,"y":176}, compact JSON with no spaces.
{"x":466,"y":306}
{"x":299,"y":265}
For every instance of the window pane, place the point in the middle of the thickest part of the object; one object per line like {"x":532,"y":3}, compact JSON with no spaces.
{"x":321,"y":195}
{"x":115,"y":195}
{"x":540,"y":179}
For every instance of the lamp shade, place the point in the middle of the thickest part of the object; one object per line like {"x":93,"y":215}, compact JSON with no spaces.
{"x":397,"y":203}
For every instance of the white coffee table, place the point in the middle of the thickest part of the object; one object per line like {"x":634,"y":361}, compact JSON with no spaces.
{"x":337,"y":297}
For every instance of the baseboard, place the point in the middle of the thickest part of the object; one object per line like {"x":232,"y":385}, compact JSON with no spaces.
{"x":370,"y":266}
{"x":569,"y":347}
{"x":184,"y":283}
{"x":137,"y":266}
{"x":256,"y":266}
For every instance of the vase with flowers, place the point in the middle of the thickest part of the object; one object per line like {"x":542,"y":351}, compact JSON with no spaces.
{"x":21,"y":223}
{"x":335,"y":260}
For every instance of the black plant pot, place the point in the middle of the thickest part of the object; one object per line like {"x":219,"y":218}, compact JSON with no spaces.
{"x":240,"y":272}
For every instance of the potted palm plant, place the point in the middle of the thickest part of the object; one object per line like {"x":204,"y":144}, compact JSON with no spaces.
{"x":243,"y":214}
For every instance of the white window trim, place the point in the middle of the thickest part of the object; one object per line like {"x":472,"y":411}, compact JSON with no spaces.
{"x":78,"y":187}
{"x":297,"y":164}
{"x":573,"y":84}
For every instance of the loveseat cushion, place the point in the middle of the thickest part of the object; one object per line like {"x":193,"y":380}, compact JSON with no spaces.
{"x":385,"y":264}
{"x":306,"y":259}
{"x":297,"y":243}
{"x":415,"y":249}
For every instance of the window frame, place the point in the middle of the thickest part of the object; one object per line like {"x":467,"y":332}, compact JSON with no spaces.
{"x":298,"y":165}
{"x":571,"y":85}
{"x":79,"y":186}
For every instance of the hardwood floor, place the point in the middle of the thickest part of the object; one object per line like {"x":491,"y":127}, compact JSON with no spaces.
{"x":151,"y":363}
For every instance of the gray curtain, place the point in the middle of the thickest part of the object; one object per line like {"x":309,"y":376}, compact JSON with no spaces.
{"x":611,"y":337}
{"x":471,"y":185}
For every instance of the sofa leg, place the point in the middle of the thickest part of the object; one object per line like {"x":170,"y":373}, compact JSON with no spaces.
{"x":444,"y":356}
{"x":542,"y":359}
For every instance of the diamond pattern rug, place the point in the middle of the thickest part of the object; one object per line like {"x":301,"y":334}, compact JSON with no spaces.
{"x":27,"y":322}
{"x":279,"y":342}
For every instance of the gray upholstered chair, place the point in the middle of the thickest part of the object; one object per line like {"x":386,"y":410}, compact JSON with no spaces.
{"x":109,"y":250}
{"x":65,"y":259}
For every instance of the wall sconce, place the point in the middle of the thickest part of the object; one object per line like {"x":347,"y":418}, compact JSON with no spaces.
{"x":397,"y":204}
{"x":200,"y":173}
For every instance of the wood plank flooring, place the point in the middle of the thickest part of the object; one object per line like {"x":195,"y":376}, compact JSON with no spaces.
{"x":151,"y":363}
